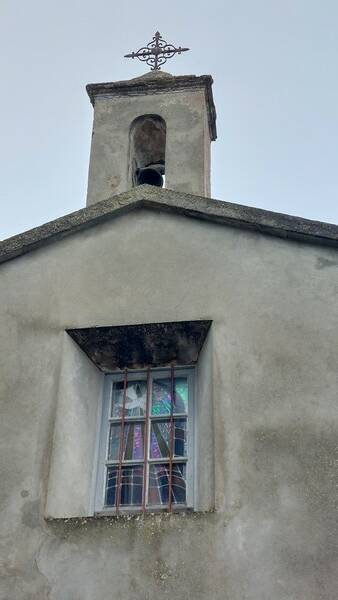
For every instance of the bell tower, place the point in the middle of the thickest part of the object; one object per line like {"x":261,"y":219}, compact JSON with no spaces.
{"x":154,"y":129}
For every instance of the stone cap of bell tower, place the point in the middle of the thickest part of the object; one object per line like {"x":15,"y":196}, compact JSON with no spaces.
{"x":156,"y":82}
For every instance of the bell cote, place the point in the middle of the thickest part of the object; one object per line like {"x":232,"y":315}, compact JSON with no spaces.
{"x":154,"y":129}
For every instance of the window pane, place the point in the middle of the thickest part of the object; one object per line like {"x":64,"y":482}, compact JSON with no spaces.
{"x":131,"y":486}
{"x":114,"y":442}
{"x":160,"y":438}
{"x":136,"y":399}
{"x":159,"y":484}
{"x":133,"y":447}
{"x":161,"y":396}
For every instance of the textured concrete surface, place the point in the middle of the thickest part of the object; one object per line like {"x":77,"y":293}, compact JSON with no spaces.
{"x":185,"y":105}
{"x":78,"y":407}
{"x":146,"y":196}
{"x":156,"y":82}
{"x":141,"y":346}
{"x":274,"y":356}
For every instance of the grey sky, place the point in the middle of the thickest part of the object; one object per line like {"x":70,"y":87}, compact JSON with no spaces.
{"x":274,"y":63}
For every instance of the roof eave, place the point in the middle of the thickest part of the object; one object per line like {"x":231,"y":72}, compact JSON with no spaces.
{"x":164,"y":200}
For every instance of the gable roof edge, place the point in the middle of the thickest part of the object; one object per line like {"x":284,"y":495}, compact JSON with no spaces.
{"x":217,"y":211}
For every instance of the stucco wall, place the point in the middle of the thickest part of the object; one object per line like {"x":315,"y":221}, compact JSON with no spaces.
{"x":274,"y":359}
{"x":78,"y":408}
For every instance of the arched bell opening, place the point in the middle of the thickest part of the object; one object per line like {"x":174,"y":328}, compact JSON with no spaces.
{"x":147,"y":150}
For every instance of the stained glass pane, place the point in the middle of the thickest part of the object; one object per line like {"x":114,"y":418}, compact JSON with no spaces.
{"x":133,"y":447}
{"x":160,"y":438}
{"x":161,"y":396}
{"x":136,"y":398}
{"x":159,"y":484}
{"x":114,"y":442}
{"x":131,"y":486}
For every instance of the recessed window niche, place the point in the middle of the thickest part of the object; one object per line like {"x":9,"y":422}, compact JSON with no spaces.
{"x":147,"y":150}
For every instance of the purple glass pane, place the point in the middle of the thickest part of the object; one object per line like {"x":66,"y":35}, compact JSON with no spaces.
{"x":161,"y":396}
{"x":160,"y":438}
{"x":134,"y":441}
{"x":158,"y":493}
{"x":136,"y":398}
{"x":133,"y":447}
{"x":131,"y":486}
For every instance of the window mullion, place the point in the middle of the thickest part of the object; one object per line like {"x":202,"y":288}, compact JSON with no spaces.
{"x":127,"y":463}
{"x":130,"y":419}
{"x":190,"y":442}
{"x":165,"y":459}
{"x":167,"y":417}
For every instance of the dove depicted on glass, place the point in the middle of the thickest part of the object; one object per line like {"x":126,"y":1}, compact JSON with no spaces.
{"x":136,"y":398}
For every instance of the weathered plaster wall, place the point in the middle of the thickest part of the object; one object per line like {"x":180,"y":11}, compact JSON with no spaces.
{"x":187,"y":154}
{"x":74,"y":444}
{"x":274,"y":360}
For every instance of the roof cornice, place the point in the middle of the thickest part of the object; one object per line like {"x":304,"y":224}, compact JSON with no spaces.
{"x":156,"y":83}
{"x":146,"y":196}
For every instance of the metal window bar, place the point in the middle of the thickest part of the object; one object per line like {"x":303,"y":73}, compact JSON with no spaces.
{"x":171,"y":444}
{"x":146,"y":435}
{"x":119,"y":481}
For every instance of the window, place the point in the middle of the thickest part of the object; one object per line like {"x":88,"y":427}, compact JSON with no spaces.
{"x":93,"y":360}
{"x":146,"y":441}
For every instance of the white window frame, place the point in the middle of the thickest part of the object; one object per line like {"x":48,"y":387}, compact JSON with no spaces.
{"x":103,"y":440}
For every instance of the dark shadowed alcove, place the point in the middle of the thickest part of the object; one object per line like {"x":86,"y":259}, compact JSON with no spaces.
{"x":147,"y":150}
{"x":140,"y":346}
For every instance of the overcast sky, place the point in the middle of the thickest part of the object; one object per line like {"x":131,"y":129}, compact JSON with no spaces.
{"x":274,"y":63}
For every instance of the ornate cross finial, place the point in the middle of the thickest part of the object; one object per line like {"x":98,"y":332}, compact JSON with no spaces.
{"x":156,"y":53}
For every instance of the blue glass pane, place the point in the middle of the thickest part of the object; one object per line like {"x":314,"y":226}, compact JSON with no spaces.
{"x":161,"y":396}
{"x":160,"y":438}
{"x":159,"y":476}
{"x":131,"y":486}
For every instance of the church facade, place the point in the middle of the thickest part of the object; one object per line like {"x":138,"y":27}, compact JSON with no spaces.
{"x":168,"y":374}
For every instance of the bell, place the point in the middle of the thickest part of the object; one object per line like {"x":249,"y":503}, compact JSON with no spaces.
{"x":150,"y":176}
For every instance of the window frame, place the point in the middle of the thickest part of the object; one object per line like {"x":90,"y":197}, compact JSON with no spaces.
{"x":104,"y":432}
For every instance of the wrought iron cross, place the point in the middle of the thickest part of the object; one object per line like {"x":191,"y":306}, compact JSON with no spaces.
{"x":156,"y":53}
